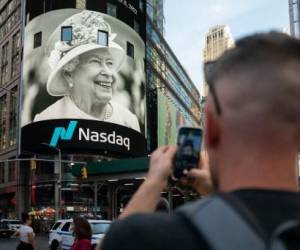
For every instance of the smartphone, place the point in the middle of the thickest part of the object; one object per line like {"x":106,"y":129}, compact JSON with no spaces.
{"x":189,"y":143}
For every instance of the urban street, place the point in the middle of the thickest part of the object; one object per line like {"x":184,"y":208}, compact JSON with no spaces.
{"x":11,"y":244}
{"x":107,"y":107}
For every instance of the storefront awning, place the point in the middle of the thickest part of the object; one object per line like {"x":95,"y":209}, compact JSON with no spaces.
{"x":113,"y":167}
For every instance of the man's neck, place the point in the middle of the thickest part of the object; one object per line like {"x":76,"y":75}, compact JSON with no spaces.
{"x":258,"y":171}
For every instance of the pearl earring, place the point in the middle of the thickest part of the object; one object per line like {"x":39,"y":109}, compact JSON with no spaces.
{"x":71,"y":84}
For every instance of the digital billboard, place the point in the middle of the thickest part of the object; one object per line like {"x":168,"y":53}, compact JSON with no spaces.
{"x":170,"y":119}
{"x":83,"y":84}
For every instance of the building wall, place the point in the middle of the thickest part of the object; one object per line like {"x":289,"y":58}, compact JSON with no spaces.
{"x":294,"y":11}
{"x":10,"y":55}
{"x":218,"y":40}
{"x":165,"y":74}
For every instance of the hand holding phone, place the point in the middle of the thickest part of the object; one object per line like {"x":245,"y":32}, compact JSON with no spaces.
{"x":188,"y":151}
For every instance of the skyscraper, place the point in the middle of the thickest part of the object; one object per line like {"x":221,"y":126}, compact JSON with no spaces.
{"x":294,"y":7}
{"x":218,"y":40}
{"x":155,"y":10}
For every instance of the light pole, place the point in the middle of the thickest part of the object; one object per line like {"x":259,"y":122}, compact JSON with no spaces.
{"x":57,"y":191}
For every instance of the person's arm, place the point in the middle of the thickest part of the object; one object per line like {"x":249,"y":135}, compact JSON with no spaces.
{"x":15,"y":234}
{"x":146,"y":198}
{"x":31,"y":240}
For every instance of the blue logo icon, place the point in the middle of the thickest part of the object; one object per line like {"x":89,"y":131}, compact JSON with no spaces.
{"x":63,"y":134}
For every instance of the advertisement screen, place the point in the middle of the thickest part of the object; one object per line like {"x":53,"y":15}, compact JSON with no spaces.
{"x":83,"y":75}
{"x":170,"y":119}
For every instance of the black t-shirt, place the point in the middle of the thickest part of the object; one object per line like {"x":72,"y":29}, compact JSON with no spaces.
{"x":162,"y":232}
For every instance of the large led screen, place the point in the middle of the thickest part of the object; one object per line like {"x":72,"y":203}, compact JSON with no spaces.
{"x":170,"y":119}
{"x":83,"y":84}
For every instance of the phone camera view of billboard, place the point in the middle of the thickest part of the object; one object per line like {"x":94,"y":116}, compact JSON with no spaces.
{"x":78,"y":67}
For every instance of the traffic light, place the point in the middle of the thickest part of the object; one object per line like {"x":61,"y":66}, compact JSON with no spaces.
{"x":84,"y":173}
{"x":33,"y":164}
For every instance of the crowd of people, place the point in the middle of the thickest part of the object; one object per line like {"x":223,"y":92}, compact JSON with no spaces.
{"x":247,"y":172}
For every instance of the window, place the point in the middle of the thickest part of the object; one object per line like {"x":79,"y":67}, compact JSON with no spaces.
{"x":12,"y":133}
{"x":66,"y":227}
{"x":130,"y":50}
{"x":100,"y":228}
{"x":141,"y":5}
{"x":15,"y":65}
{"x":136,"y":26}
{"x":14,"y":17}
{"x":3,"y":114}
{"x":2,"y":172}
{"x":16,"y":43}
{"x":66,"y":34}
{"x":102,"y":37}
{"x":4,"y":64}
{"x":11,"y":171}
{"x":37,"y":40}
{"x":295,"y":11}
{"x":56,"y":225}
{"x":112,"y":9}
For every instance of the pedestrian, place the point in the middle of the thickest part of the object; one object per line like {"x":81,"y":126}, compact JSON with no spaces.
{"x":26,"y":234}
{"x":252,"y":138}
{"x":83,"y":233}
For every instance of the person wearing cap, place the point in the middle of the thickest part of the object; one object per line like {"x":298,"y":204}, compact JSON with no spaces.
{"x":83,"y":73}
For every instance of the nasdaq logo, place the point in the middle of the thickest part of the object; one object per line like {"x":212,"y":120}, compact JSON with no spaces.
{"x":62,"y":133}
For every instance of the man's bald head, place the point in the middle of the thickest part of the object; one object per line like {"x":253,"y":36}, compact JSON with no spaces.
{"x":258,"y":86}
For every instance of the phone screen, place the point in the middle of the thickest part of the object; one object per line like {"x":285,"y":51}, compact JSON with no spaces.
{"x":189,"y":147}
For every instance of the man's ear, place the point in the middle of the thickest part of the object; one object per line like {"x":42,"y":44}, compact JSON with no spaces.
{"x":212,"y":129}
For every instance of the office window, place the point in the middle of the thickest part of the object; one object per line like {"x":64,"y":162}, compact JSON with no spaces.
{"x":4,"y":74}
{"x":130,"y":50}
{"x":4,"y":64}
{"x":9,"y":16}
{"x":66,"y":34}
{"x":295,"y":11}
{"x":15,"y":65}
{"x":112,"y":9}
{"x":12,"y":171}
{"x":102,"y":37}
{"x":37,"y":40}
{"x":81,"y":4}
{"x":141,"y":5}
{"x":2,"y":171}
{"x":136,"y":26}
{"x":3,"y":115}
{"x":12,"y":133}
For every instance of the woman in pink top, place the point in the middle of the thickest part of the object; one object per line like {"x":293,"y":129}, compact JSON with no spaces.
{"x":83,"y":234}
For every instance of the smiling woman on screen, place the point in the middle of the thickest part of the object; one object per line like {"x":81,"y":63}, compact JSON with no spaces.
{"x":83,"y":72}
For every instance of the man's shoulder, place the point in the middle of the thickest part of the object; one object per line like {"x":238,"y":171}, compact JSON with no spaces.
{"x":146,"y":222}
{"x":152,"y":231}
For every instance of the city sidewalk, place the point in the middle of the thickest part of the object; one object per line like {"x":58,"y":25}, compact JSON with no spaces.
{"x":11,"y":244}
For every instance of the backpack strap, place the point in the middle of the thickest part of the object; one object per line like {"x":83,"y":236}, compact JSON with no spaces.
{"x":221,"y":225}
{"x":285,"y":233}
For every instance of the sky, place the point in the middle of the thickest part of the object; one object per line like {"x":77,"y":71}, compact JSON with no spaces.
{"x":187,"y":23}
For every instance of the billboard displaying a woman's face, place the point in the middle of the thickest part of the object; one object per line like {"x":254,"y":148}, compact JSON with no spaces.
{"x":87,"y":67}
